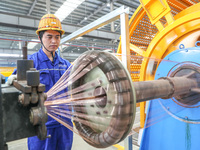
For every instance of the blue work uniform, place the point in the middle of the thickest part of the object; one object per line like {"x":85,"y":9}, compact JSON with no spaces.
{"x":50,"y":73}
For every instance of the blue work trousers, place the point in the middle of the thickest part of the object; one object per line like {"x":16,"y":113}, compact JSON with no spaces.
{"x":61,"y":140}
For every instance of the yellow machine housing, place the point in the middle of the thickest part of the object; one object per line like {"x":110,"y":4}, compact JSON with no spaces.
{"x":156,"y":29}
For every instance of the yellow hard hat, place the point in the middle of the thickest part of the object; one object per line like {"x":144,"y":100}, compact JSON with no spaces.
{"x":50,"y":22}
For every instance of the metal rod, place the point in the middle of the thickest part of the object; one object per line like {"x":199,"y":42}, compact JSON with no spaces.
{"x":96,"y":24}
{"x":48,"y":6}
{"x":111,"y":9}
{"x":1,"y":120}
{"x":32,"y":7}
{"x":196,"y":90}
{"x":24,"y":49}
{"x":163,"y":88}
{"x":125,"y":40}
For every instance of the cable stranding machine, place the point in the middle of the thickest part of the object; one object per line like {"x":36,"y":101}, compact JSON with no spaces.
{"x":166,"y":27}
{"x":155,"y":23}
{"x":157,"y":28}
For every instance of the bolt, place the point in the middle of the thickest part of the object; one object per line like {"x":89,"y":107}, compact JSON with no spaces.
{"x":105,"y":112}
{"x":98,"y":113}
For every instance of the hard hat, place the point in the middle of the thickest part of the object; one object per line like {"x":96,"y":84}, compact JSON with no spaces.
{"x":50,"y":22}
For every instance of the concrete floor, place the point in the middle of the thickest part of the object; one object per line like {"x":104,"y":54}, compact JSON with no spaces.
{"x":79,"y":143}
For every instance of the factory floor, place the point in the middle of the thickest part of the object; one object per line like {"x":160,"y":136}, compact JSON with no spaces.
{"x":80,"y":144}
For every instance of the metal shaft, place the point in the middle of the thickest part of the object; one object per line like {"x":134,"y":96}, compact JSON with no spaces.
{"x":163,"y":88}
{"x":24,"y":50}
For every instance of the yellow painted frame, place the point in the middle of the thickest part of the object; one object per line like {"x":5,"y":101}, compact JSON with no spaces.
{"x":178,"y":27}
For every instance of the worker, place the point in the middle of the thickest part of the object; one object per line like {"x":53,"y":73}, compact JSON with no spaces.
{"x":51,"y":67}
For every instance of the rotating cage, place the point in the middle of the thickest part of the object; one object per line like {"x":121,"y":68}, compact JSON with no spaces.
{"x":109,"y":117}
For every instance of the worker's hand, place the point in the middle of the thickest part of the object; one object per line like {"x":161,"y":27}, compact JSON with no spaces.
{"x":10,"y":80}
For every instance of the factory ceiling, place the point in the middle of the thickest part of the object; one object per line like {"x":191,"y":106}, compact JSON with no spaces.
{"x":19,"y":20}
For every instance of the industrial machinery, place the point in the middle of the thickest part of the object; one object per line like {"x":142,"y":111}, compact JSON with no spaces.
{"x":169,"y":74}
{"x":117,"y":95}
{"x":156,"y":30}
{"x":22,"y":111}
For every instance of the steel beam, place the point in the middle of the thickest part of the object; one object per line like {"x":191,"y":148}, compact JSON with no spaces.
{"x":48,"y":6}
{"x":125,"y":40}
{"x":96,"y":24}
{"x":32,"y":7}
{"x":132,"y":4}
{"x":95,"y":12}
{"x":1,"y":120}
{"x":27,"y":22}
{"x":112,"y":25}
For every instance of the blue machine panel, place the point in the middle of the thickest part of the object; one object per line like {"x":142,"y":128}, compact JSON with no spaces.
{"x":170,"y":126}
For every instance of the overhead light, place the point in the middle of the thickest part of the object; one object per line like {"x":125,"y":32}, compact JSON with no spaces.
{"x":107,"y":50}
{"x":108,"y":4}
{"x":85,"y":18}
{"x":10,"y":55}
{"x":79,"y":38}
{"x":67,"y":7}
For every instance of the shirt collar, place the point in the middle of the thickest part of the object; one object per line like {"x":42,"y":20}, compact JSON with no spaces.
{"x":43,"y":57}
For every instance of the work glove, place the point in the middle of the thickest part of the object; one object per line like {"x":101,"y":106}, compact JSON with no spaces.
{"x":10,"y":80}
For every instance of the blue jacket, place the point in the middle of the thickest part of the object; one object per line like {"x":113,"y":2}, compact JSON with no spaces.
{"x":49,"y":77}
{"x":50,"y":73}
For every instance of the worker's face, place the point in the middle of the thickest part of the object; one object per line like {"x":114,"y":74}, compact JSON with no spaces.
{"x":51,"y":40}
